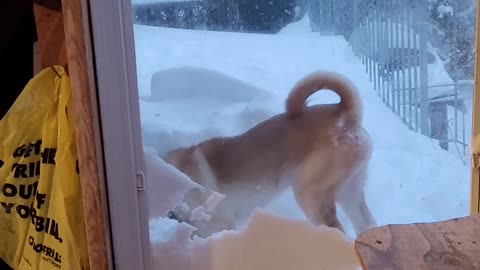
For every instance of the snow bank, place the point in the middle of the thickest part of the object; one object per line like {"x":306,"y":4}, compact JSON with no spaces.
{"x":300,"y":27}
{"x":188,"y":82}
{"x":225,"y":108}
{"x":268,"y":242}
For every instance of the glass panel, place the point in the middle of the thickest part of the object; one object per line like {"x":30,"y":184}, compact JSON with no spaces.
{"x":256,"y":176}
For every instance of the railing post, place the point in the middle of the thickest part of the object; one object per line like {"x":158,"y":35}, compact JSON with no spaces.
{"x":424,"y":103}
{"x":439,"y":122}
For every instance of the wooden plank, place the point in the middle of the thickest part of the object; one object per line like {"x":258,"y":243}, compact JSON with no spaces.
{"x":55,"y":5}
{"x":453,"y":244}
{"x":50,"y":46}
{"x":79,"y":53}
{"x":37,"y":65}
{"x":475,"y":175}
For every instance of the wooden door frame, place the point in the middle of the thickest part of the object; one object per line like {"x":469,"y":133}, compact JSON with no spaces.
{"x":475,"y":176}
{"x":80,"y":65}
{"x":56,"y":23}
{"x":102,"y":72}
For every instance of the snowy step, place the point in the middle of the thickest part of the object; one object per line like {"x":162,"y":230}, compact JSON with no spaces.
{"x":450,"y":244}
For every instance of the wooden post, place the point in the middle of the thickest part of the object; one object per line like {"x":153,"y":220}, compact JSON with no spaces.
{"x":475,"y":180}
{"x":79,"y":54}
{"x":57,"y":24}
{"x":50,"y":47}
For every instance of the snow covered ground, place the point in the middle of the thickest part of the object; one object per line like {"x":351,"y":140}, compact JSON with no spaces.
{"x":410,"y":178}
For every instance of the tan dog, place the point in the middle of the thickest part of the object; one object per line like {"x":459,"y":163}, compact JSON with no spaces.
{"x":321,"y":150}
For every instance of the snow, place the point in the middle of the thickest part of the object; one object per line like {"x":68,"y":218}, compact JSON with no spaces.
{"x":299,"y":28}
{"x":295,"y":244}
{"x":444,"y":10}
{"x":410,"y":178}
{"x":166,"y":184}
{"x":141,"y":2}
{"x":200,"y":80}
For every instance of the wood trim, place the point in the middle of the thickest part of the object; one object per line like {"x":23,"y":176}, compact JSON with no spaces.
{"x":50,"y":46}
{"x":475,"y":176}
{"x":37,"y":65}
{"x":55,"y":5}
{"x":79,"y":54}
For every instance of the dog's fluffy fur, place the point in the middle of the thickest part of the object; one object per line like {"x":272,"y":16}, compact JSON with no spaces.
{"x":321,"y":150}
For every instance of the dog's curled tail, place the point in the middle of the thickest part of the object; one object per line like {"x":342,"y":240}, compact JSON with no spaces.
{"x":349,"y":100}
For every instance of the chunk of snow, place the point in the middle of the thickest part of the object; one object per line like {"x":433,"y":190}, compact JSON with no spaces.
{"x":443,"y":10}
{"x":213,"y":200}
{"x":199,"y":214}
{"x":165,"y":185}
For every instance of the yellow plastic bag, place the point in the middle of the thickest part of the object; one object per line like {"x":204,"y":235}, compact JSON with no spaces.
{"x":41,"y":212}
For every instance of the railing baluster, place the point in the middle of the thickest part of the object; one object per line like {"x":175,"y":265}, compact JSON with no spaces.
{"x":390,"y":43}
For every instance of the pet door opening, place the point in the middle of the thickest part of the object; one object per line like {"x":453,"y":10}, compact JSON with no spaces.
{"x":241,"y":176}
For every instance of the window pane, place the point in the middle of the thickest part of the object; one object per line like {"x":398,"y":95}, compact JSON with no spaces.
{"x":264,"y":177}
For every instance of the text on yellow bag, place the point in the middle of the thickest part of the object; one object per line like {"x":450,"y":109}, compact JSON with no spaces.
{"x":41,"y":214}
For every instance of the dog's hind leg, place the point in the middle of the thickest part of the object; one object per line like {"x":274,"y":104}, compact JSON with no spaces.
{"x":351,"y":198}
{"x":314,"y":189}
{"x":319,"y":209}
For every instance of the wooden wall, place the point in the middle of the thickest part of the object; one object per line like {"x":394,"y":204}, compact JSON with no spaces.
{"x":64,"y":39}
{"x":475,"y":186}
{"x":50,"y":47}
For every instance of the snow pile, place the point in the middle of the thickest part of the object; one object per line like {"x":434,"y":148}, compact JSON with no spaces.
{"x":268,"y":242}
{"x":225,"y":108}
{"x":166,"y":185}
{"x":301,"y":27}
{"x":271,"y":242}
{"x":187,"y":82}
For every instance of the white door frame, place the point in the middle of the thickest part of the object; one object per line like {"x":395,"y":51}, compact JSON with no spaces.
{"x":115,"y":71}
